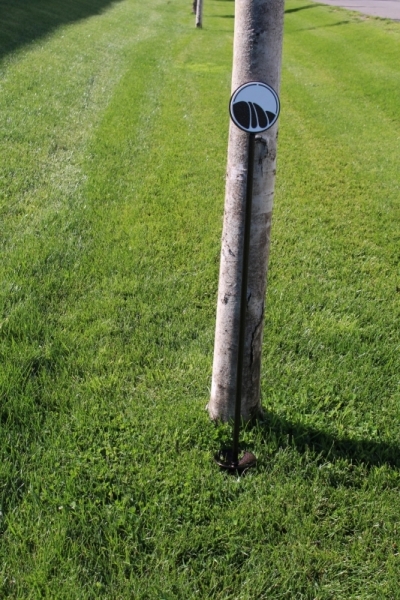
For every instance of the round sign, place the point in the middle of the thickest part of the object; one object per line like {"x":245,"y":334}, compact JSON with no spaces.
{"x":254,"y":107}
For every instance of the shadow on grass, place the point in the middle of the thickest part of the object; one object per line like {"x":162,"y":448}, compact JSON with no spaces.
{"x":324,"y":26}
{"x":23,"y":21}
{"x":292,"y":10}
{"x":303,"y":438}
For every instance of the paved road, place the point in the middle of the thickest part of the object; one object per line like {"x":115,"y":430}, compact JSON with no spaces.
{"x":387,"y":9}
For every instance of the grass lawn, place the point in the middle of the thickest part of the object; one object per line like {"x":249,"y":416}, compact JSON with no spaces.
{"x":113,"y":134}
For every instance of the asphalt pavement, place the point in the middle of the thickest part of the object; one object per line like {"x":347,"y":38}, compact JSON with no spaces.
{"x":386,"y":9}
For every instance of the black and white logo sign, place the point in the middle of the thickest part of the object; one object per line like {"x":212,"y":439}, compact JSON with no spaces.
{"x":254,"y":107}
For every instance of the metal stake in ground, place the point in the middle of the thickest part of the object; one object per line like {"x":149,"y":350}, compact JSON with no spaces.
{"x":254,"y":107}
{"x":229,"y":459}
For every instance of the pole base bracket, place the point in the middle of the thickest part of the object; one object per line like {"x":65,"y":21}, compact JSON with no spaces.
{"x":224,"y":459}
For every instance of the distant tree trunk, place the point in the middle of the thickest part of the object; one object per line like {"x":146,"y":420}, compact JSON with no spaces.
{"x":257,"y":57}
{"x":194,"y":6}
{"x":199,"y":13}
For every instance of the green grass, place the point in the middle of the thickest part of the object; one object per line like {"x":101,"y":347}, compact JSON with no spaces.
{"x":113,"y":133}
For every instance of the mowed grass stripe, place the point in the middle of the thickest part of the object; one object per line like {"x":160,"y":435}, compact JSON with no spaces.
{"x":337,"y":219}
{"x":44,"y":225}
{"x":91,"y":379}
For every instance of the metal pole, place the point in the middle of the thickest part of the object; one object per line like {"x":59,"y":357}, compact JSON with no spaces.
{"x":243,"y":299}
{"x":229,"y":459}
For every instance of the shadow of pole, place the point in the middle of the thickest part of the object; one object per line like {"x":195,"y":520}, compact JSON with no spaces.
{"x":23,"y":22}
{"x":292,"y":10}
{"x":323,"y":26}
{"x":303,"y":438}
